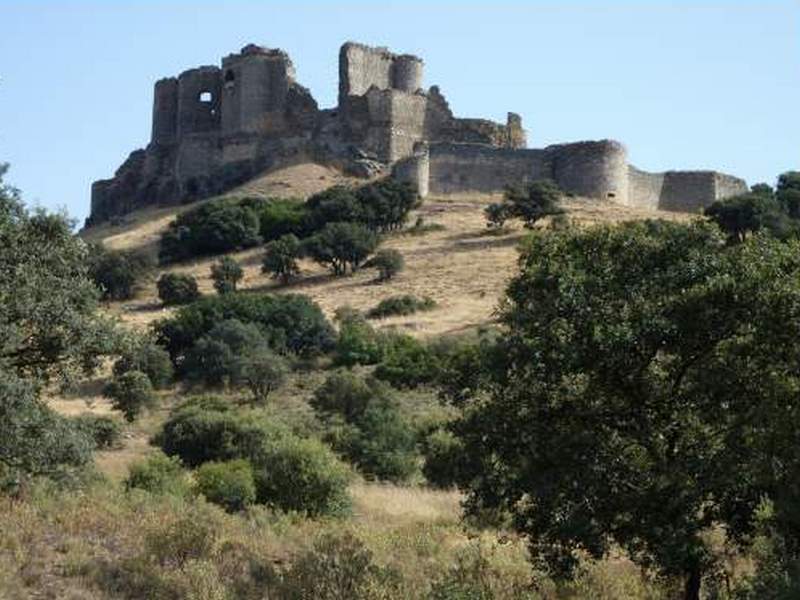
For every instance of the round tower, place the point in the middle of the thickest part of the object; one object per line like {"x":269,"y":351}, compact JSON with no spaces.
{"x":415,"y":169}
{"x":165,"y":111}
{"x":592,"y":169}
{"x":407,"y":73}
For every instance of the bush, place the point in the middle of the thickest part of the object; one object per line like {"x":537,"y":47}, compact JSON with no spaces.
{"x":539,"y":199}
{"x":131,"y":393}
{"x":207,"y":429}
{"x":358,"y":342}
{"x":496,"y":215}
{"x":263,"y":372}
{"x":302,"y":475}
{"x":337,"y":204}
{"x":280,"y":258}
{"x":400,"y":305}
{"x":288,"y":321}
{"x":216,"y":359}
{"x":347,"y":395}
{"x":226,"y":274}
{"x":229,"y":484}
{"x":408,"y":363}
{"x":215,"y":227}
{"x":382,"y":444}
{"x":175,"y":288}
{"x":388,"y":263}
{"x":339,"y":567}
{"x":443,"y":454}
{"x":115,"y":272}
{"x":280,"y":217}
{"x":149,"y":358}
{"x":341,"y":245}
{"x":158,"y":474}
{"x":105,"y":432}
{"x":387,"y":203}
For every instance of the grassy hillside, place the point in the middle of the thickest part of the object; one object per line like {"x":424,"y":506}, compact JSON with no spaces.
{"x":108,"y":543}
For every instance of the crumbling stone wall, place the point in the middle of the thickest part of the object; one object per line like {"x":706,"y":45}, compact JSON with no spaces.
{"x":215,"y":127}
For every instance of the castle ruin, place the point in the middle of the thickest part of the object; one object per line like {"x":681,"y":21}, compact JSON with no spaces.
{"x":215,"y":127}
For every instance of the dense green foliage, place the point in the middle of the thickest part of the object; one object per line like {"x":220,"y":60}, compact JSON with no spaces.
{"x":644,"y":396}
{"x":279,"y":217}
{"x":177,"y":288}
{"x":387,"y":262}
{"x":49,"y":329}
{"x":104,"y":431}
{"x":215,"y":227}
{"x":497,"y":213}
{"x":288,"y":321}
{"x":408,"y":363}
{"x":117,"y":273}
{"x":229,"y":484}
{"x":443,"y":453}
{"x":347,"y":395}
{"x":530,"y":203}
{"x":281,"y":256}
{"x":158,"y":474}
{"x":341,"y":245}
{"x":131,"y":393}
{"x":226,"y":275}
{"x":141,"y":354}
{"x":263,"y":371}
{"x":400,"y":306}
{"x":290,"y":473}
{"x":358,"y":343}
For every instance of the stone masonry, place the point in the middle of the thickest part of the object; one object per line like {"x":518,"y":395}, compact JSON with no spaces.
{"x":215,"y":127}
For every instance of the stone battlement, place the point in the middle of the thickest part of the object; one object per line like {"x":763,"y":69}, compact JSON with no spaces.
{"x":215,"y":127}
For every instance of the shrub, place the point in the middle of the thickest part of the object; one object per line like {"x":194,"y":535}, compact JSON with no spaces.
{"x":287,"y":321}
{"x":229,"y":484}
{"x":382,"y":444}
{"x":303,"y":475}
{"x":115,"y":272}
{"x":347,"y":395}
{"x":339,"y":567}
{"x":158,"y":474}
{"x":263,"y":371}
{"x":539,"y":199}
{"x":337,"y":204}
{"x":340,"y":246}
{"x":400,"y":305}
{"x":386,"y":203}
{"x":443,"y":454}
{"x":496,"y":215}
{"x":358,"y":342}
{"x":226,"y":274}
{"x":213,"y":228}
{"x":280,"y":258}
{"x":131,"y":393}
{"x":388,"y":263}
{"x":280,"y":217}
{"x":175,"y":288}
{"x":408,"y":363}
{"x":206,"y":429}
{"x":217,"y":358}
{"x":104,"y":431}
{"x":147,"y":357}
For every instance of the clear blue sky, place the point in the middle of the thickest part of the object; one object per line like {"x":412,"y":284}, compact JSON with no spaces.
{"x":682,"y":84}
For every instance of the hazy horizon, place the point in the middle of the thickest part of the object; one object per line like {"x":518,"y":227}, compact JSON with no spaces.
{"x":683,"y":86}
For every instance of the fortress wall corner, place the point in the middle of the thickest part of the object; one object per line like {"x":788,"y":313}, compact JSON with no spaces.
{"x":415,"y":169}
{"x":728,"y":185}
{"x":593,"y":169}
{"x":644,"y":189}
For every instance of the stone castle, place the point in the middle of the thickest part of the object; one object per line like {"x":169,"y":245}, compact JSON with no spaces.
{"x":217,"y":127}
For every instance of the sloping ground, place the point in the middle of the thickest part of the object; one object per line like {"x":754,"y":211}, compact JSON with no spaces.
{"x":462,"y":266}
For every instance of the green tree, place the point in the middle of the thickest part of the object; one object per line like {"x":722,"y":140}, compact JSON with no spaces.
{"x":347,"y":395}
{"x":229,"y":484}
{"x":117,"y":273}
{"x":131,"y":393}
{"x":263,"y":371}
{"x":788,"y":193}
{"x":142,"y":354}
{"x":388,"y":263}
{"x":280,"y":258}
{"x":386,"y":203}
{"x":645,"y":395}
{"x":496,"y":214}
{"x":226,"y":274}
{"x":49,"y":330}
{"x":535,"y":201}
{"x":177,"y":288}
{"x":740,"y":216}
{"x":340,"y":246}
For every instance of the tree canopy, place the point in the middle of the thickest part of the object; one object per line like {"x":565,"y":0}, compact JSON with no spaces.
{"x":644,"y":394}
